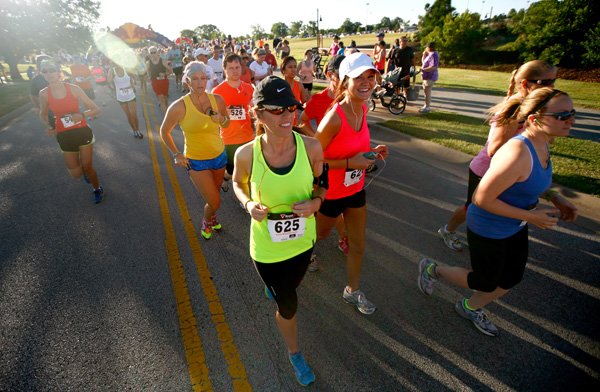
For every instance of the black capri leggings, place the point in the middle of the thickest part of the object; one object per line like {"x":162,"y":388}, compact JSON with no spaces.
{"x":283,"y":278}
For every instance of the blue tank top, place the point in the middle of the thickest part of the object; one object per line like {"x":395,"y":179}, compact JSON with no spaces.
{"x":522,"y":195}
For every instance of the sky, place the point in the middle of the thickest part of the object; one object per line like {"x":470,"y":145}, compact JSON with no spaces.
{"x":236,"y":17}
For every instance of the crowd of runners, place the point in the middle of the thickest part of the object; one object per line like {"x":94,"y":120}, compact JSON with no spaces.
{"x":298,"y":161}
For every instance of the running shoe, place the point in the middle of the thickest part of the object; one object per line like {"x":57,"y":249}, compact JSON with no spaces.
{"x":206,"y":230}
{"x":477,"y":317}
{"x":216,"y":226}
{"x":358,"y":299}
{"x":450,"y":238}
{"x":268,"y":294}
{"x":314,"y":264}
{"x":343,"y":245}
{"x":425,"y":281}
{"x":425,"y":109}
{"x":98,"y":195}
{"x":225,"y":185}
{"x":304,"y":374}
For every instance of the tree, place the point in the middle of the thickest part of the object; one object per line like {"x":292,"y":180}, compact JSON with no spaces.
{"x":45,"y":24}
{"x":257,"y":31}
{"x":295,"y":28}
{"x":397,"y":23}
{"x":208,"y":31}
{"x":311,"y":28}
{"x":385,"y":24}
{"x":460,"y":39}
{"x":279,"y":29}
{"x":434,"y":16}
{"x":556,"y":31}
{"x":187,"y":33}
{"x":349,"y":27}
{"x":592,"y":57}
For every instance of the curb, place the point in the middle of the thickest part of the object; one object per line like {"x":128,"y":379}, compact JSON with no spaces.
{"x":4,"y":120}
{"x":456,"y":163}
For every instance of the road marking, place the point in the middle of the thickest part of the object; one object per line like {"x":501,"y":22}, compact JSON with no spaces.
{"x":192,"y":343}
{"x":235,"y":367}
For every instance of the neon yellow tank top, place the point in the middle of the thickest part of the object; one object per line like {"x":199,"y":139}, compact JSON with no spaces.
{"x":279,"y":192}
{"x":202,"y":136}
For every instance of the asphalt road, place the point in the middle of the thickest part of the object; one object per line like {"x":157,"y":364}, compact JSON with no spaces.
{"x":126,"y":295}
{"x":587,"y":122}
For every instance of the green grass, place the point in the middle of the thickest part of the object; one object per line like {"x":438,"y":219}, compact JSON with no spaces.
{"x":584,"y":94}
{"x":576,"y":162}
{"x":13,"y":96}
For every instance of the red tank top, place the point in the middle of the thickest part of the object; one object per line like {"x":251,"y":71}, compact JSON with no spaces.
{"x":346,"y":144}
{"x":62,"y":109}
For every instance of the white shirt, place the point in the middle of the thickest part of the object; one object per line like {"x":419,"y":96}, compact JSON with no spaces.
{"x":217,"y":67}
{"x":259,"y":69}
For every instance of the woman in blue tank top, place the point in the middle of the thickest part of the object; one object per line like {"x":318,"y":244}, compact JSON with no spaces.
{"x":504,"y":203}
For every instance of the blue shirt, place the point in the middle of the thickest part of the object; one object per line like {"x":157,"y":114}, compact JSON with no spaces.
{"x":522,"y":195}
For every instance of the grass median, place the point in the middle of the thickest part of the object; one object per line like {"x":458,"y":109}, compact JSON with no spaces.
{"x":576,"y":162}
{"x":13,"y":96}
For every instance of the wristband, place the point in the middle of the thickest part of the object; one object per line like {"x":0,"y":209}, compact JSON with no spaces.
{"x":176,"y":153}
{"x":246,"y":205}
{"x":318,"y":197}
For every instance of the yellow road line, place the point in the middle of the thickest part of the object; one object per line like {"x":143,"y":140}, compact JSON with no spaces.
{"x":192,"y":344}
{"x":235,"y":367}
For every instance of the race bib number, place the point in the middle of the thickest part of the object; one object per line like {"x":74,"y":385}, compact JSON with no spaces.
{"x":353,"y":176}
{"x":285,"y":227}
{"x":237,"y":113}
{"x":126,"y":91}
{"x":67,"y":121}
{"x":161,"y":76}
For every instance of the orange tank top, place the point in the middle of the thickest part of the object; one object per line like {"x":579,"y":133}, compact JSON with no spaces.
{"x":63,"y":108}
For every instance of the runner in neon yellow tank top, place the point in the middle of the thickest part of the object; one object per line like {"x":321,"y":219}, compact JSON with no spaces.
{"x":273,"y":178}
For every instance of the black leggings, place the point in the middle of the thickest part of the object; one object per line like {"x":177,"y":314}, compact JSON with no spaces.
{"x":282,"y":279}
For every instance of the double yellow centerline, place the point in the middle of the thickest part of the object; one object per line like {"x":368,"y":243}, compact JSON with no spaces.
{"x":196,"y":359}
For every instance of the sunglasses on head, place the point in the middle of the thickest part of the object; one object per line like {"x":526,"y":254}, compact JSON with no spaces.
{"x":543,"y":82}
{"x":153,"y":52}
{"x":562,"y":116}
{"x":277,"y":110}
{"x":49,"y":70}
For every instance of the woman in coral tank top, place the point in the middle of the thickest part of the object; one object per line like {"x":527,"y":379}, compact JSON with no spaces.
{"x":72,"y":132}
{"x":345,"y":138}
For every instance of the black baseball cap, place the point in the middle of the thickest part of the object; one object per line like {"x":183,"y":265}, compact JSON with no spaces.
{"x":274,"y":91}
{"x":334,"y":63}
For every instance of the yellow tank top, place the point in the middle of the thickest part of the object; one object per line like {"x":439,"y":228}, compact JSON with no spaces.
{"x":279,"y":192}
{"x":202,"y":136}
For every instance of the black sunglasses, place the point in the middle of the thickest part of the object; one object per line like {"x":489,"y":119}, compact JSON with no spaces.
{"x":49,"y":70}
{"x":562,"y":116}
{"x":543,"y":82}
{"x":277,"y":110}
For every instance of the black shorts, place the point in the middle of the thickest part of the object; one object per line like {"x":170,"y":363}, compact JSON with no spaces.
{"x":497,"y":262}
{"x":308,"y":86}
{"x":474,"y":180}
{"x":230,"y":149}
{"x":72,"y":140}
{"x":178,"y":70}
{"x":334,"y":208}
{"x":283,"y":278}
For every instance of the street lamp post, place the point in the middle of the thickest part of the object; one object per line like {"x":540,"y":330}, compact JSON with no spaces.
{"x":367,"y":19}
{"x":318,"y":40}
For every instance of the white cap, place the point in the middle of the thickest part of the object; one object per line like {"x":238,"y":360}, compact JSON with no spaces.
{"x":354,"y":65}
{"x":200,"y":51}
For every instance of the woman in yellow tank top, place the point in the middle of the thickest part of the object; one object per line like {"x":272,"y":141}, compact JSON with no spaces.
{"x":200,"y":116}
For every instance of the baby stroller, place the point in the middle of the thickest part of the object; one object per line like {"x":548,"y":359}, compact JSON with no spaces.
{"x":392,"y":88}
{"x":320,"y":61}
